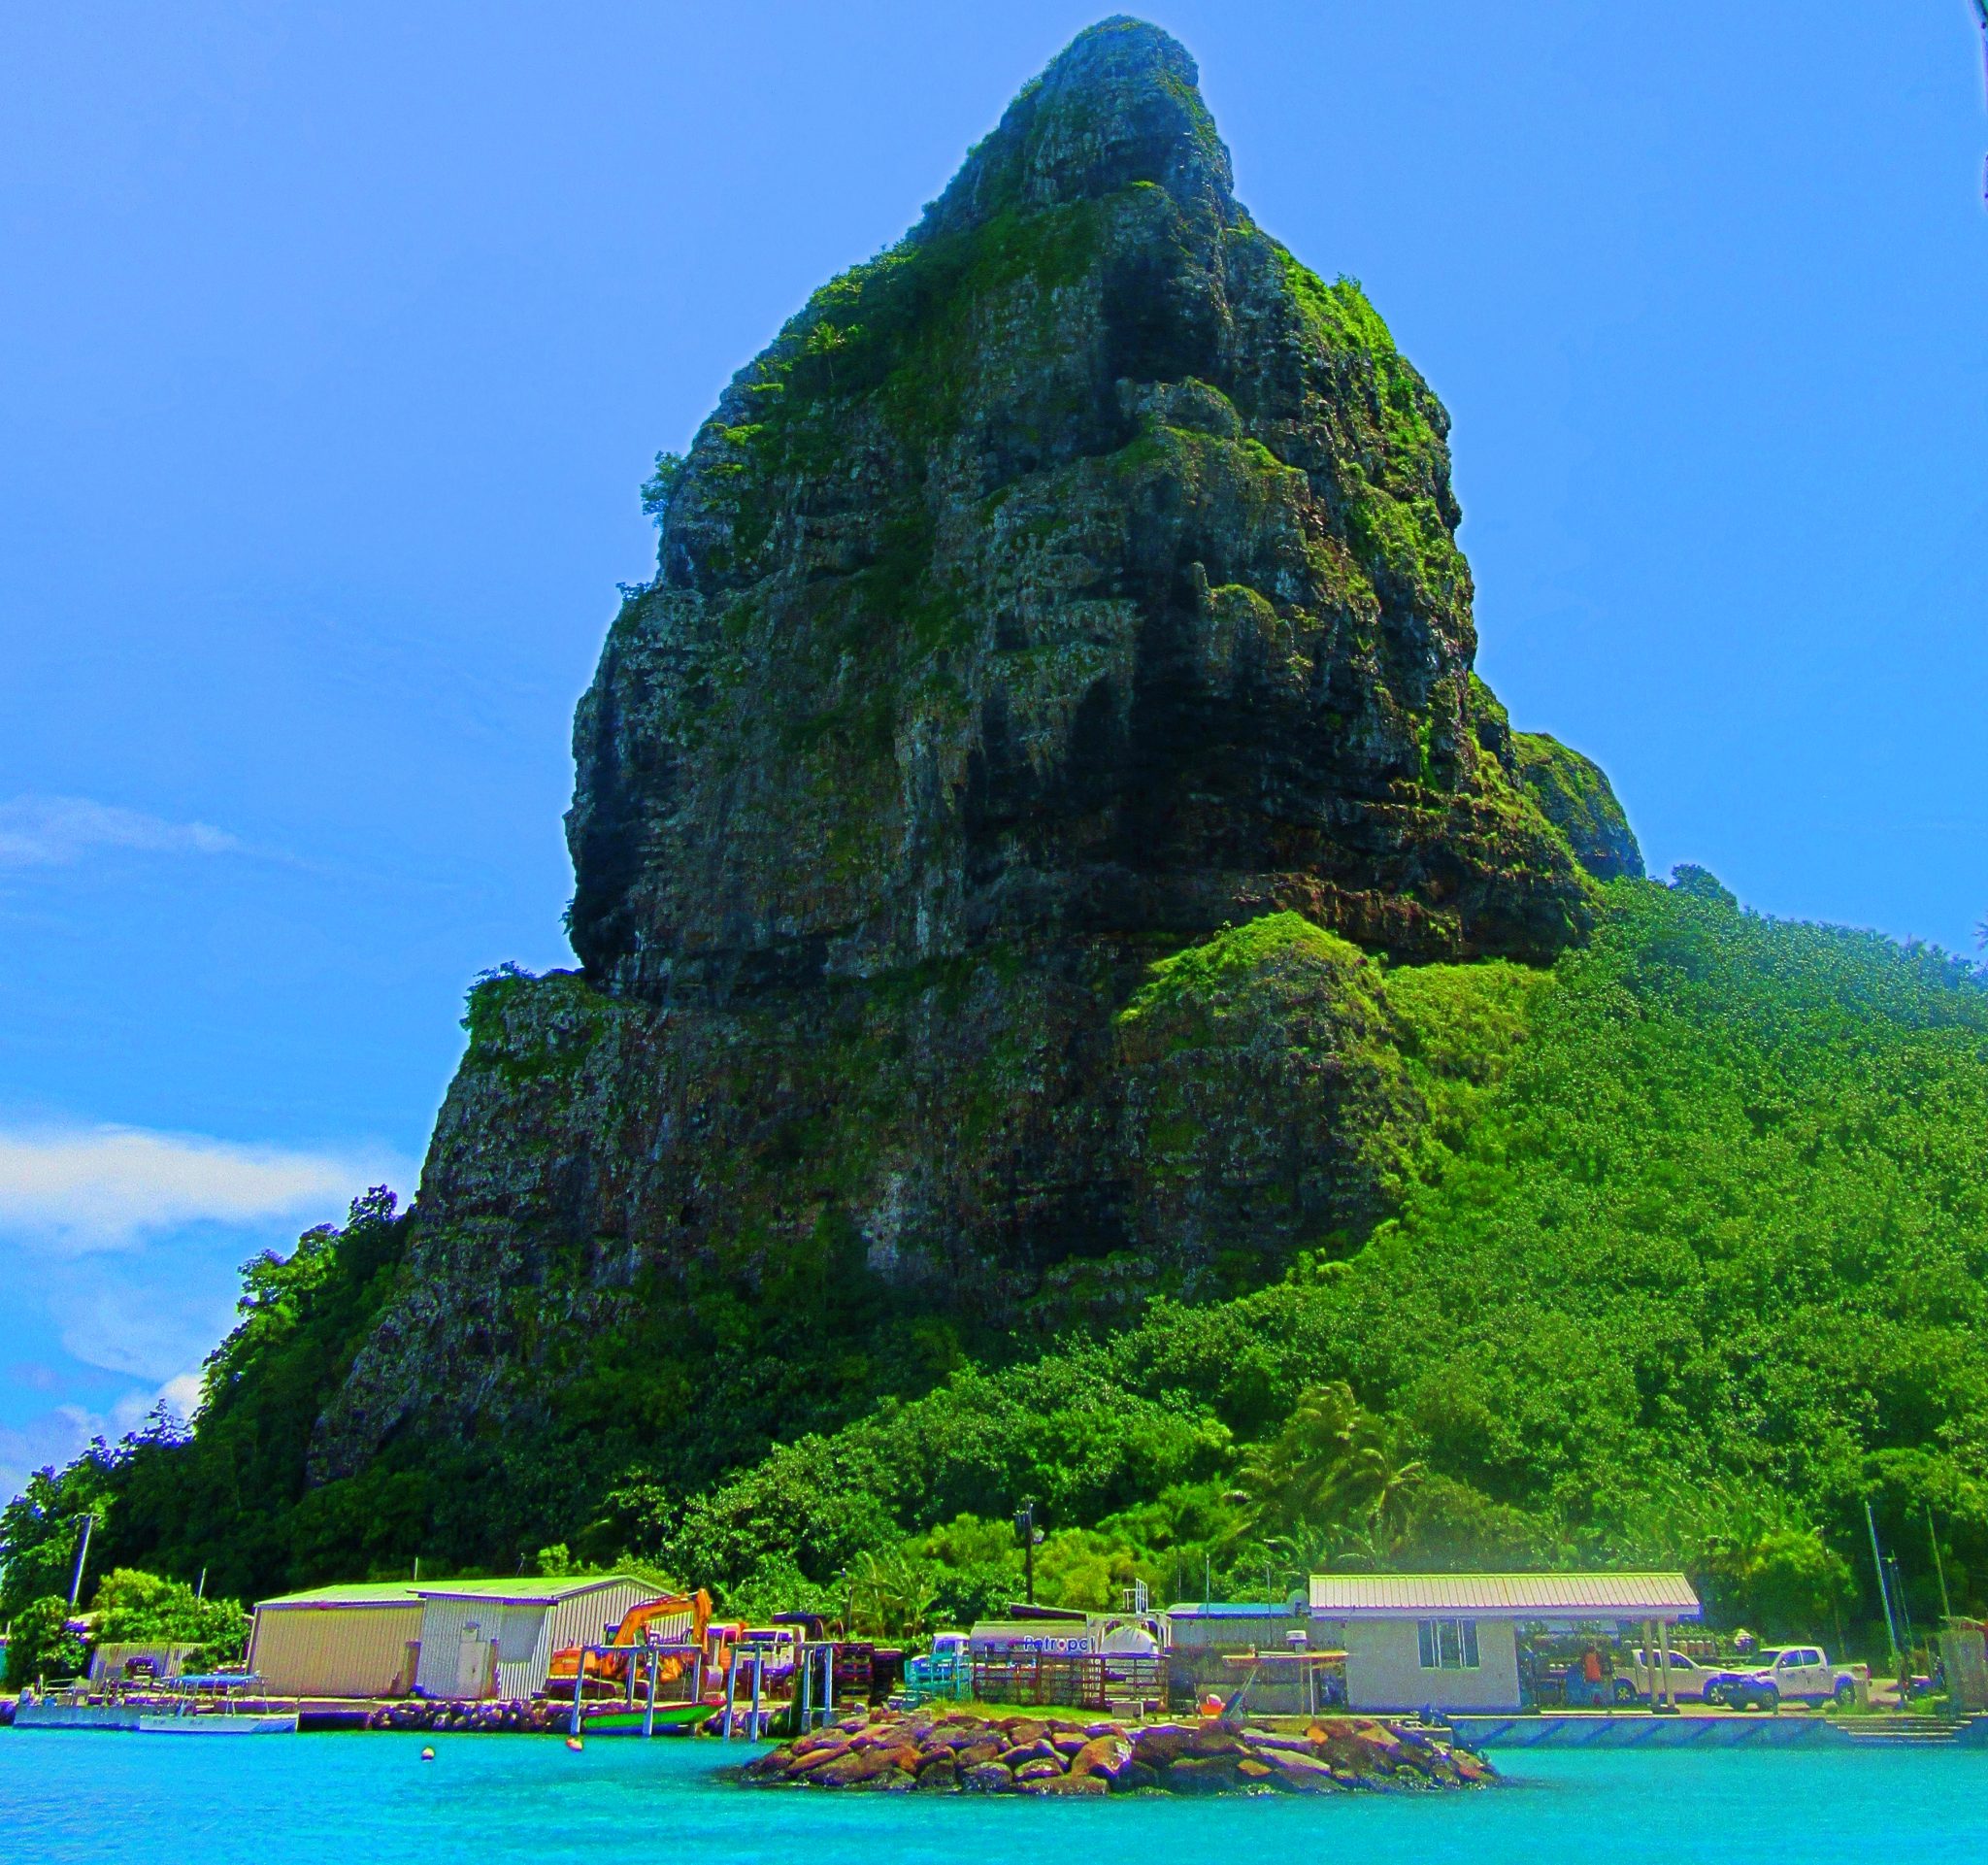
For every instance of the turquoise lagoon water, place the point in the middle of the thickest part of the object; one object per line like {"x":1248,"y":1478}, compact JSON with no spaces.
{"x":370,"y":1800}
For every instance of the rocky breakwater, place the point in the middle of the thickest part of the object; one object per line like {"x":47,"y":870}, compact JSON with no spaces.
{"x":514,"y":1716}
{"x":959,"y":1751}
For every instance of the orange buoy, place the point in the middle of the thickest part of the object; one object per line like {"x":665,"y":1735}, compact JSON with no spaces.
{"x":573,"y":1743}
{"x":428,"y":1755}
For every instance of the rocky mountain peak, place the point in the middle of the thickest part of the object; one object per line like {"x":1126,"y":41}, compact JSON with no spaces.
{"x":1082,"y":567}
{"x":1119,"y":105}
{"x":1056,"y":690}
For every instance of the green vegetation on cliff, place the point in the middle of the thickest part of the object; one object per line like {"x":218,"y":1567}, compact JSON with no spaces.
{"x":1084,"y":996}
{"x":1686,"y":1262}
{"x":1703,"y":1270}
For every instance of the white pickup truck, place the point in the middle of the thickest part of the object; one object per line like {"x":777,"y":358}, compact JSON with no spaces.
{"x":1689,"y":1678}
{"x":1790,"y":1674}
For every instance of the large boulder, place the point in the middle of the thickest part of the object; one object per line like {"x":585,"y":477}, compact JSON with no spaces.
{"x":1065,"y":1785}
{"x":1299,"y":1771}
{"x":1108,"y":1755}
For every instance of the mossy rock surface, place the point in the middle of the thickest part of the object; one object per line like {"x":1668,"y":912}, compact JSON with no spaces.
{"x":1071,"y":590}
{"x":1083,"y":565}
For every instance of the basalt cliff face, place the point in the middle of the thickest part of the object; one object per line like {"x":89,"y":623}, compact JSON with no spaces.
{"x":1071,"y":590}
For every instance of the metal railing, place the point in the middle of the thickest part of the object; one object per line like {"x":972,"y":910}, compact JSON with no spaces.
{"x":1073,"y":1682}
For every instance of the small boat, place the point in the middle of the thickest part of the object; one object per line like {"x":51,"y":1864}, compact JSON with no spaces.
{"x":210,"y":1704}
{"x":671,"y":1719}
{"x":277,"y":1722}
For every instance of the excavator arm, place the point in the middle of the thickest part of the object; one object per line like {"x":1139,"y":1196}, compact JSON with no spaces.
{"x":632,"y":1633}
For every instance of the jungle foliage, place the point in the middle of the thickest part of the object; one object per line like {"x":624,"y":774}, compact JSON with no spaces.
{"x":1689,"y":1269}
{"x":41,"y":1642}
{"x":48,"y":1640}
{"x":232,"y":1497}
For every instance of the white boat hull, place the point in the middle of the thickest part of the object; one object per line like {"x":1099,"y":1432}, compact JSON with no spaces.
{"x":278,"y":1725}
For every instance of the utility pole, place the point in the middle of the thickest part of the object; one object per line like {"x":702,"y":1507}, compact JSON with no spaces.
{"x":90,"y":1521}
{"x":1933,"y":1534}
{"x":1898,"y":1593}
{"x":1028,"y":1535}
{"x":1891,"y":1629}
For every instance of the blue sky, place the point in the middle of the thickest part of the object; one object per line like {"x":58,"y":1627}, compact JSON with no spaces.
{"x":338,"y":339}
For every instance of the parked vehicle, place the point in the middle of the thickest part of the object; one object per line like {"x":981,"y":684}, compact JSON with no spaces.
{"x":1789,"y":1674}
{"x":1640,"y":1680}
{"x":946,"y":1671}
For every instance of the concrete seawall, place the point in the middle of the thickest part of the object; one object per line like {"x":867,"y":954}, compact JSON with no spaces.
{"x":75,"y":1716}
{"x":1593,"y":1729}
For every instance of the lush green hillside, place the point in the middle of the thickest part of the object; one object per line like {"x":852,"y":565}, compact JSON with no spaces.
{"x":1686,"y":1262}
{"x":940,"y":1119}
{"x":1701,"y":1270}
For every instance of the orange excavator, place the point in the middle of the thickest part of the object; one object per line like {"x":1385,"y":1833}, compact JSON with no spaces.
{"x":675,"y":1618}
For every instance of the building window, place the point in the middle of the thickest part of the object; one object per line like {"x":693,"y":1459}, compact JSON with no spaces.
{"x":1448,"y":1644}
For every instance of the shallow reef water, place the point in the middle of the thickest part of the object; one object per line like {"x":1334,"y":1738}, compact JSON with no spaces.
{"x":298,"y":1800}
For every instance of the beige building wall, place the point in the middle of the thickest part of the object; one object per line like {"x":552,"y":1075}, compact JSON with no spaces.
{"x":1384,"y":1667}
{"x":456,"y":1636}
{"x":355,"y":1651}
{"x":1966,"y":1656}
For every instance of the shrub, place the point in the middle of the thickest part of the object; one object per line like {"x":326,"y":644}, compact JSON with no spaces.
{"x":43,"y":1644}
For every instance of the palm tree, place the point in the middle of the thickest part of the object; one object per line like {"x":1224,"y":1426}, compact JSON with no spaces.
{"x":891,"y":1595}
{"x":1332,"y":1481}
{"x":1293,"y":1482}
{"x":1295,"y":1558}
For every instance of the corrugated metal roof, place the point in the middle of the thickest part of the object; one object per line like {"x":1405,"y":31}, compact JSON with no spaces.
{"x":353,"y":1593}
{"x":514,"y":1592}
{"x":1504,"y":1595}
{"x":1229,"y":1610}
{"x":525,"y":1592}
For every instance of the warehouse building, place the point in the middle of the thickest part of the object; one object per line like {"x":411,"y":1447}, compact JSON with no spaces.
{"x":360,"y":1641}
{"x":1451,"y":1641}
{"x":454,"y":1638}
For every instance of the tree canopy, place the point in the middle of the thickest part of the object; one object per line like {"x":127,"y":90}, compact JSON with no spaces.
{"x":1688,"y":1265}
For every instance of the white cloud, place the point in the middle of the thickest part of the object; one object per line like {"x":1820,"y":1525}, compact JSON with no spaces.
{"x":42,"y":831}
{"x":147,"y":1325}
{"x":55,"y":1436}
{"x":80,"y":1189}
{"x":183,"y":1393}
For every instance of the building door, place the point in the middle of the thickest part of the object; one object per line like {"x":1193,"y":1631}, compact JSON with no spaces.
{"x":474,"y":1666}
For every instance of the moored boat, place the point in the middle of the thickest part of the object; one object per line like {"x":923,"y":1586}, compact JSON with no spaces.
{"x":212,"y":1704}
{"x":669,"y":1719}
{"x":213,"y":1722}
